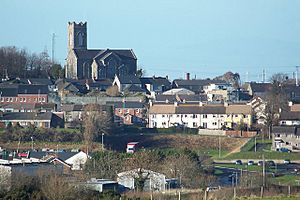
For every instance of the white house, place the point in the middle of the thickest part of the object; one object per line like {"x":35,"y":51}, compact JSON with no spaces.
{"x":154,"y":181}
{"x":186,"y":115}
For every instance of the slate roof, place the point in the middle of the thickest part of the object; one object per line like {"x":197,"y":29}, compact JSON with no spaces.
{"x":100,"y":53}
{"x":286,"y":130}
{"x":260,"y":87}
{"x":72,"y":107}
{"x":195,"y":82}
{"x":126,"y":104}
{"x":61,"y":155}
{"x":40,"y":81}
{"x":180,"y":98}
{"x":9,"y":92}
{"x":129,"y":79}
{"x":134,"y":88}
{"x":189,"y":109}
{"x":26,"y":116}
{"x":289,"y":116}
{"x":33,"y":89}
{"x":155,"y":81}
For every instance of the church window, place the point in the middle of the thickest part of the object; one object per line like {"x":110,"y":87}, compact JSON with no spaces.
{"x":80,"y":38}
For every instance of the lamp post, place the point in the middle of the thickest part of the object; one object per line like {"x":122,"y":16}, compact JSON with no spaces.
{"x":31,"y":143}
{"x":102,"y":141}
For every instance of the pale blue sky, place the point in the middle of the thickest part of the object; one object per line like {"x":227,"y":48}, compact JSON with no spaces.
{"x":169,"y":37}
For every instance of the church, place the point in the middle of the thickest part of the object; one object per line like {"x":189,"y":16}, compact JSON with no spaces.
{"x":83,"y":63}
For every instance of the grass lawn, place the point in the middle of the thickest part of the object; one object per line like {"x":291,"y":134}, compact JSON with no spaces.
{"x":269,"y":155}
{"x":287,"y":180}
{"x":212,"y":153}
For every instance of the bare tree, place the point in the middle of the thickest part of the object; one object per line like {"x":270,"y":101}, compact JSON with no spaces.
{"x":113,"y":91}
{"x":96,"y":121}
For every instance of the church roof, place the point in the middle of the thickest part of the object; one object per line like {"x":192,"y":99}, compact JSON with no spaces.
{"x":100,"y":53}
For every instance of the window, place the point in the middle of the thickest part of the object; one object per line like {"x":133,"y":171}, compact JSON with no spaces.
{"x":119,"y":110}
{"x":164,"y":123}
{"x":214,"y":123}
{"x":204,"y":125}
{"x":214,"y":115}
{"x":2,"y":99}
{"x":163,"y":116}
{"x":204,"y":116}
{"x":24,"y":99}
{"x":43,"y":99}
{"x":171,"y":115}
{"x":194,"y":116}
{"x":47,"y":125}
{"x":153,"y":116}
{"x":195,"y":124}
{"x":137,"y":110}
{"x":21,"y":99}
{"x":178,"y":115}
{"x":7,"y":99}
{"x":127,"y":110}
{"x":236,"y":115}
{"x":185,"y":115}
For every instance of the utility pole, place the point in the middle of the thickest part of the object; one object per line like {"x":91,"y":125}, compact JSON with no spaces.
{"x":255,"y":144}
{"x":53,"y":47}
{"x":297,"y":84}
{"x":264,"y":170}
{"x":219,"y":146}
{"x":264,"y":75}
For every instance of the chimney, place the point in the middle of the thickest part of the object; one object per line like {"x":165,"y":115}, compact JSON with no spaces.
{"x":290,"y":103}
{"x":188,"y":76}
{"x":175,"y":104}
{"x":150,"y":103}
{"x":200,"y":103}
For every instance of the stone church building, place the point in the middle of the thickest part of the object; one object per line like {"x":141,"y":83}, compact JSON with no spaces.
{"x":83,"y":63}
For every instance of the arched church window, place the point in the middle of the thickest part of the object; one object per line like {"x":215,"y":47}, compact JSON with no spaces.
{"x":80,"y":38}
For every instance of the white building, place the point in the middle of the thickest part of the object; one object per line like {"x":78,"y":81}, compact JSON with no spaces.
{"x":187,"y":115}
{"x":154,"y":181}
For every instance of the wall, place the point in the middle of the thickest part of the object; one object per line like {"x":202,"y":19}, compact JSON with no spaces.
{"x":211,"y":132}
{"x":245,"y":134}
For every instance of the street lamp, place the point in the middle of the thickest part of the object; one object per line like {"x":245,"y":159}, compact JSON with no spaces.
{"x":102,"y":141}
{"x":31,"y":143}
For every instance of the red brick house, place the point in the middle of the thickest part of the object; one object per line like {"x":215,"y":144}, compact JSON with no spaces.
{"x":129,"y":113}
{"x":25,"y":94}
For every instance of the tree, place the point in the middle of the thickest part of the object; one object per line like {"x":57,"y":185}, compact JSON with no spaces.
{"x":230,"y":77}
{"x":276,"y":100}
{"x":96,"y":121}
{"x":139,"y":164}
{"x":140,"y":72}
{"x":113,"y":91}
{"x":183,"y":167}
{"x":56,"y":71}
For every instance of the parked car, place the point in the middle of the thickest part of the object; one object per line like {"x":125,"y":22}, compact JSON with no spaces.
{"x":287,"y":161}
{"x":260,"y":163}
{"x":238,"y":162}
{"x":250,"y":162}
{"x":285,"y":150}
{"x":270,"y":163}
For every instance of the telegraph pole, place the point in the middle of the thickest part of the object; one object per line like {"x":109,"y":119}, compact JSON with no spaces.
{"x":297,"y":84}
{"x":53,"y":47}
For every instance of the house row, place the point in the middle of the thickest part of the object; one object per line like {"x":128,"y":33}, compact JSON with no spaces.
{"x":207,"y":116}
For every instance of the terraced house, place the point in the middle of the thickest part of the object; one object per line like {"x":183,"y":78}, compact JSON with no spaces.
{"x":207,"y":116}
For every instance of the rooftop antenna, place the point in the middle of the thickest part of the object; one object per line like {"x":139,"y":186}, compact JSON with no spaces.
{"x":53,"y":47}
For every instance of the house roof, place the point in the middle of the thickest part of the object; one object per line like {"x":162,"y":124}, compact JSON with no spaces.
{"x":260,"y":87}
{"x":155,"y":81}
{"x":295,"y":107}
{"x":40,"y":81}
{"x":127,"y":104}
{"x":9,"y":92}
{"x":134,"y":88}
{"x":162,"y":108}
{"x":129,"y":79}
{"x":72,"y":107}
{"x":61,"y":155}
{"x":180,"y":98}
{"x":178,"y":91}
{"x":195,"y":82}
{"x":289,"y":116}
{"x":238,"y":109}
{"x":10,"y":116}
{"x":286,"y":130}
{"x":33,"y":89}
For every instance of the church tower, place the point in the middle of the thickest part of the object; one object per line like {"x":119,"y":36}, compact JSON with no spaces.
{"x":77,"y":36}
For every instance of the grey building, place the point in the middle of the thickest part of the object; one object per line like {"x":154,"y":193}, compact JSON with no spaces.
{"x":83,"y":63}
{"x":286,"y":137}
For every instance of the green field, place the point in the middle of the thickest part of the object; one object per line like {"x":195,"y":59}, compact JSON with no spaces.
{"x":287,"y":180}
